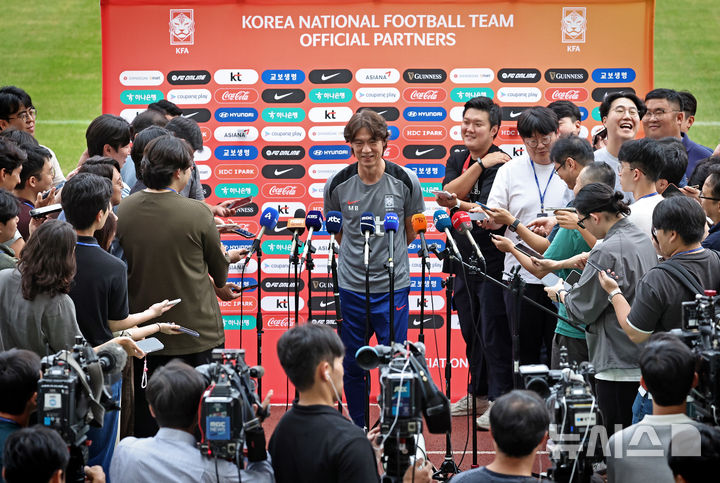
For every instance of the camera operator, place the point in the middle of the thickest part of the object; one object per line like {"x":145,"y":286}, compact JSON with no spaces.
{"x":639,"y":452}
{"x":629,"y":252}
{"x":173,"y":395}
{"x":678,"y":228}
{"x":313,"y":442}
{"x":19,"y":376}
{"x":39,"y":454}
{"x":519,"y":424}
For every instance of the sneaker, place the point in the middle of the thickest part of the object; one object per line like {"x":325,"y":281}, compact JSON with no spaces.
{"x":483,"y":422}
{"x":463,"y":408}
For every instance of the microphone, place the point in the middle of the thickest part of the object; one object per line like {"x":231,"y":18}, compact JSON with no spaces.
{"x":442,"y":223}
{"x":297,"y":226}
{"x":268,"y":220}
{"x":462,"y":223}
{"x":419,"y":224}
{"x":367,"y":227}
{"x":333,"y":224}
{"x":391,"y":225}
{"x":314,"y":221}
{"x":112,"y":359}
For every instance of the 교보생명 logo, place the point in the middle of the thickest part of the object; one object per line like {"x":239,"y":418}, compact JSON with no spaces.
{"x":182,"y":26}
{"x":574,"y":25}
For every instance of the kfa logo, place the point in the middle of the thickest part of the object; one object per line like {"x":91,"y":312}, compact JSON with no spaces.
{"x":182,"y":26}
{"x":574,"y":25}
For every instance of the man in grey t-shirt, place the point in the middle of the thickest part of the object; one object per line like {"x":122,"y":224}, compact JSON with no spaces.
{"x":379,"y":187}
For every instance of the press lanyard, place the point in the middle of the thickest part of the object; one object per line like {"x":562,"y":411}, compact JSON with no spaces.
{"x":688,"y":251}
{"x":537,"y":183}
{"x":647,"y":196}
{"x":88,"y":244}
{"x":170,"y":189}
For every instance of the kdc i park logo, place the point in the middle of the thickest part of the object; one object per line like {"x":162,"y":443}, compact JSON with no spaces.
{"x":182,"y":26}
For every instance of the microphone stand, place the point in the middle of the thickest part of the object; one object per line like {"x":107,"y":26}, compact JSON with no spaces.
{"x":391,"y":273}
{"x":309,"y":265}
{"x":259,"y":323}
{"x":367,"y":342}
{"x":336,"y":297}
{"x":294,"y":259}
{"x":423,"y":254}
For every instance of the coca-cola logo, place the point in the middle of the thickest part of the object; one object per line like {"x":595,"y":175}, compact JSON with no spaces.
{"x":424,"y":94}
{"x":280,"y":322}
{"x":284,"y":190}
{"x":573,"y":94}
{"x":236,"y":96}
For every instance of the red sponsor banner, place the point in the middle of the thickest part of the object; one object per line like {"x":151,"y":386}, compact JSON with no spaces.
{"x":391,"y":152}
{"x":424,"y":94}
{"x":424,"y":133}
{"x":206,"y":134}
{"x":236,"y":96}
{"x":236,"y":171}
{"x":283,"y":190}
{"x":572,"y":94}
{"x":508,"y":132}
{"x":248,"y":306}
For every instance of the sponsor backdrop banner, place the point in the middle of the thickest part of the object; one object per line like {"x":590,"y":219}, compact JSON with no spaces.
{"x":272,"y":86}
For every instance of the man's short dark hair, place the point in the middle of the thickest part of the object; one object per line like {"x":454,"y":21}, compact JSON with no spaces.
{"x":83,"y":196}
{"x":537,"y":119}
{"x":599,"y":172}
{"x":485,"y":104}
{"x":676,"y":160}
{"x":8,"y":206}
{"x":163,"y":156}
{"x":107,"y":129}
{"x":574,"y":147}
{"x":614,"y":96}
{"x":37,"y":156}
{"x":34,"y":455}
{"x":146,"y":119}
{"x":370,"y":120}
{"x":174,"y":393}
{"x":164,"y":106}
{"x":11,"y":98}
{"x":303,"y":347}
{"x":670,"y":95}
{"x":689,"y":103}
{"x":11,"y":156}
{"x":702,"y":171}
{"x":667,"y":365}
{"x":695,"y":469}
{"x":19,"y":137}
{"x":683,"y":215}
{"x":644,"y":154}
{"x":518,"y":422}
{"x":19,"y":375}
{"x":101,"y":166}
{"x":186,"y":129}
{"x":140,"y":143}
{"x":714,"y":179}
{"x":565,"y":109}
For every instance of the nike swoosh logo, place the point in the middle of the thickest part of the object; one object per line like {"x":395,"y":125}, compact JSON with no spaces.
{"x":400,"y":308}
{"x":279,"y":172}
{"x":325,"y":304}
{"x":188,"y":116}
{"x":326,"y":77}
{"x":278,"y":229}
{"x":353,"y":202}
{"x":417,"y":322}
{"x":420,"y":153}
{"x":515,"y":114}
{"x":282,"y":96}
{"x":382,"y":112}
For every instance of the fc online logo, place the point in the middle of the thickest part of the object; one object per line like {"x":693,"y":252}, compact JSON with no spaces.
{"x":574,"y":25}
{"x":182,"y":26}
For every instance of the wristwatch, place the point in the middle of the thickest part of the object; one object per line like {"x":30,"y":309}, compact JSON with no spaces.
{"x":613,"y":293}
{"x":479,"y":161}
{"x":514,"y":225}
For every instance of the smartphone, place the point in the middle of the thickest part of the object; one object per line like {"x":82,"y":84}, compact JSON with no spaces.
{"x":45,"y":210}
{"x":566,"y":208}
{"x":240,"y":202}
{"x":551,"y":279}
{"x":595,"y":266}
{"x":484,"y":206}
{"x":443,"y":194}
{"x":573,"y":277}
{"x":243,"y":232}
{"x":150,"y":345}
{"x":526,"y":250}
{"x":174,"y":302}
{"x":477,"y":216}
{"x":671,"y":190}
{"x":185,"y":330}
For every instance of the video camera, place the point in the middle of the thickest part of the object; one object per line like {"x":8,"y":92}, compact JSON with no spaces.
{"x":227,"y":417}
{"x":701,"y":333}
{"x":72,"y":395}
{"x":573,"y":413}
{"x":407,"y":394}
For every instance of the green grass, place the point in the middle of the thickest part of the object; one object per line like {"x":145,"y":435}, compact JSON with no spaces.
{"x":54,"y":53}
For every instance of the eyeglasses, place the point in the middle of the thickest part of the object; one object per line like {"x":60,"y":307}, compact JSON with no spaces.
{"x":630,"y":168}
{"x":658,"y":113}
{"x":653,"y":232}
{"x":708,"y":198}
{"x":580,"y":221}
{"x":25,"y":116}
{"x":533,"y":143}
{"x":560,"y":167}
{"x":620,"y":111}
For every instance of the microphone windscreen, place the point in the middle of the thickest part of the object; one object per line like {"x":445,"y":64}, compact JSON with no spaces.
{"x":113,"y":358}
{"x":314,"y":220}
{"x":297,"y":222}
{"x":367,"y":358}
{"x":461,"y":222}
{"x":367,"y":223}
{"x":391,"y":222}
{"x":419,"y":223}
{"x":442,"y":220}
{"x":333,"y":222}
{"x":269,"y":218}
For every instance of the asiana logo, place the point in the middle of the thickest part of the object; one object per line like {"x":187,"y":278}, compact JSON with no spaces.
{"x":182,"y":26}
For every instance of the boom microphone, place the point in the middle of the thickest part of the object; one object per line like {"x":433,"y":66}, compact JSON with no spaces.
{"x":419,"y":224}
{"x":442,"y":223}
{"x":463,"y":224}
{"x":333,"y":224}
{"x":314,"y":221}
{"x":268,"y":220}
{"x":112,"y":358}
{"x":367,"y":227}
{"x":391,"y":226}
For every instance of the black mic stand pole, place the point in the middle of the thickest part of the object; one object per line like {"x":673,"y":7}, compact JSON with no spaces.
{"x":423,"y":253}
{"x":259,"y":323}
{"x":391,"y":299}
{"x":310,"y":266}
{"x":367,"y":342}
{"x":294,"y":259}
{"x":336,"y":297}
